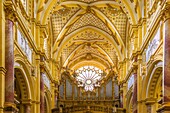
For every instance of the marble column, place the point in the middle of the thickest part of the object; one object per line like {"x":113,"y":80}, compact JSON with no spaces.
{"x":9,"y":65}
{"x":149,"y":108}
{"x":9,"y":62}
{"x":27,"y":108}
{"x":41,"y":93}
{"x":166,"y":81}
{"x":166,"y":70}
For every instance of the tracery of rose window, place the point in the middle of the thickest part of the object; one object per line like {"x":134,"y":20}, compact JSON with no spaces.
{"x":89,"y":77}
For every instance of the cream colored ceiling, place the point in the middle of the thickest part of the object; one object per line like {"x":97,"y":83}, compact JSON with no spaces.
{"x":89,"y":19}
{"x":90,"y":31}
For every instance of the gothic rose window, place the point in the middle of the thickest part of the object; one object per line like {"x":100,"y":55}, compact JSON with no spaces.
{"x":89,"y":77}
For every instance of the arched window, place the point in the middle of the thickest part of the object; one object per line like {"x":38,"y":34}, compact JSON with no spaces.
{"x":89,"y":77}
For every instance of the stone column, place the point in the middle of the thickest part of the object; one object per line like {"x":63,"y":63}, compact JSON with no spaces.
{"x":9,"y":61}
{"x":166,"y":70}
{"x":41,"y":93}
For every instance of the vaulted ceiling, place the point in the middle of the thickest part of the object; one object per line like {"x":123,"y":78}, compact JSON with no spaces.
{"x":89,"y":32}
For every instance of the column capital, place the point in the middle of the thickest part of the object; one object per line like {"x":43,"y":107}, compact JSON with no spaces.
{"x":10,"y":11}
{"x":166,"y":12}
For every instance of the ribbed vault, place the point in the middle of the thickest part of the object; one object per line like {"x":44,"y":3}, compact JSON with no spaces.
{"x":92,"y":31}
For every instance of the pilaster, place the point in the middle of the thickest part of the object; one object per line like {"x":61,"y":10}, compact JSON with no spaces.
{"x":139,"y":82}
{"x":124,"y":88}
{"x":2,"y":56}
{"x":135,"y":85}
{"x":42,"y":71}
{"x":37,"y":85}
{"x":2,"y":88}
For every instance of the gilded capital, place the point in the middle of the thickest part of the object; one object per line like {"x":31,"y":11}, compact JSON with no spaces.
{"x":166,"y":12}
{"x":10,"y":13}
{"x":42,"y":67}
{"x":135,"y":67}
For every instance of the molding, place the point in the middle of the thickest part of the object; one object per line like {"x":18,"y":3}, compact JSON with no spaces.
{"x":8,"y":106}
{"x":142,"y":21}
{"x":3,"y":70}
{"x":26,"y":101}
{"x":149,"y":101}
{"x":165,"y":107}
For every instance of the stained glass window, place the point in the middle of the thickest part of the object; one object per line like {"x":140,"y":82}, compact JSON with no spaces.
{"x":89,"y":77}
